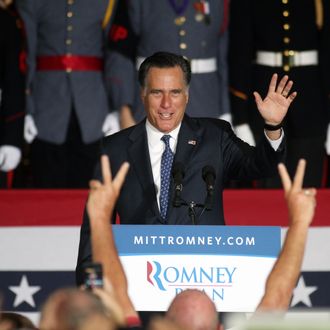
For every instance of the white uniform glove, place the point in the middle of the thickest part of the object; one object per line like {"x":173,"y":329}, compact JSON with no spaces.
{"x":111,"y":124}
{"x":244,"y":132}
{"x":10,"y":156}
{"x":327,"y":142}
{"x":226,"y":117}
{"x":30,"y":129}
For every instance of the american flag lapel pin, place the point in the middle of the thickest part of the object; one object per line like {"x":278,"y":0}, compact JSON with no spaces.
{"x":192,"y":142}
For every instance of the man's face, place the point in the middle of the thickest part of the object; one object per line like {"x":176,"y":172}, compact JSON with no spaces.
{"x":165,"y":97}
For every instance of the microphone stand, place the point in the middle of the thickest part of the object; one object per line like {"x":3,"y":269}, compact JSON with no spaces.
{"x":208,"y":175}
{"x":191,"y":208}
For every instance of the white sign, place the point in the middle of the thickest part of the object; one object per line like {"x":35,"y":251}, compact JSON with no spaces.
{"x":230,"y":264}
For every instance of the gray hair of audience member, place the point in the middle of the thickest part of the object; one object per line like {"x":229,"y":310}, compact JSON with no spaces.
{"x":193,"y":309}
{"x":72,"y":309}
{"x":14,"y":321}
{"x":164,"y":60}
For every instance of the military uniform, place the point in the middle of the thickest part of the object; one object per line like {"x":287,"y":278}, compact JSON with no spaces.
{"x":195,"y":29}
{"x":287,"y":37}
{"x":66,"y":95}
{"x":11,"y":84}
{"x":326,"y":70}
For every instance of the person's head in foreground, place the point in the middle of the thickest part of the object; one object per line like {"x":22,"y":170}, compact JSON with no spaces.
{"x":164,"y":79}
{"x":193,"y":309}
{"x":71,"y":309}
{"x":12,"y":321}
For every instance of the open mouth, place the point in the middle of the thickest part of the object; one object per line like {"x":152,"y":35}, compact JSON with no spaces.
{"x":165,"y":115}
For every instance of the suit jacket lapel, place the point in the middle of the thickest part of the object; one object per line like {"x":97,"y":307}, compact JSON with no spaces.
{"x":188,"y":140}
{"x":140,"y":160}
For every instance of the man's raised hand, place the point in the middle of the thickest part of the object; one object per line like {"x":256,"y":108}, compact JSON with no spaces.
{"x":277,"y":101}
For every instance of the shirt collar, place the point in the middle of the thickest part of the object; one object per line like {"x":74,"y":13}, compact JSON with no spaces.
{"x":154,"y":135}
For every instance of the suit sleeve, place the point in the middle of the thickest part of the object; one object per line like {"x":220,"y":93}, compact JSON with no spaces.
{"x":28,"y":12}
{"x":223,"y":60}
{"x":241,"y":55}
{"x":120,"y":70}
{"x":223,"y":72}
{"x":108,"y":18}
{"x":242,"y":161}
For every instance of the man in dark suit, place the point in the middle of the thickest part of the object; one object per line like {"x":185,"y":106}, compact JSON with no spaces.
{"x":207,"y":150}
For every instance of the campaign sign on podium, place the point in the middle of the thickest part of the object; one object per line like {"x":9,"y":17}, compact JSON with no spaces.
{"x":229,"y":263}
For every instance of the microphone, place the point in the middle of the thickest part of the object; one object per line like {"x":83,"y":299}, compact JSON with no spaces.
{"x":208,"y":175}
{"x":178,"y":175}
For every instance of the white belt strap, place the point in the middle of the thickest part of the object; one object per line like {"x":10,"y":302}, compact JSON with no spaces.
{"x":290,"y":57}
{"x":204,"y":65}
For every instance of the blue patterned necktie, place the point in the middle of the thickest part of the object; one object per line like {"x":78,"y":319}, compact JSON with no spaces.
{"x":165,"y":172}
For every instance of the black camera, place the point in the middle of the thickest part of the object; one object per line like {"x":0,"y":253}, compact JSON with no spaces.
{"x":93,"y":275}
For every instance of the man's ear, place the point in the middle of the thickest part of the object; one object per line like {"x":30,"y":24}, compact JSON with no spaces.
{"x":142,"y":94}
{"x":187,"y":95}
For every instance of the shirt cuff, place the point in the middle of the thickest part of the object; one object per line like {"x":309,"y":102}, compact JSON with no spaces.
{"x":275,"y":143}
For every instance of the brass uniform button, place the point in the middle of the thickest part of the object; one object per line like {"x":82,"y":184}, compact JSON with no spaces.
{"x":68,"y":41}
{"x":182,"y":33}
{"x":286,"y":13}
{"x":69,"y":14}
{"x":199,"y":17}
{"x":183,"y":45}
{"x":286,"y":40}
{"x":69,"y":28}
{"x":285,"y":1}
{"x":70,"y":2}
{"x":286,"y":68}
{"x":286,"y":27}
{"x":68,"y":70}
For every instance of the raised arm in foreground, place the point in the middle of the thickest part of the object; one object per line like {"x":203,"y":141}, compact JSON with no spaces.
{"x":284,"y":275}
{"x":100,"y":205}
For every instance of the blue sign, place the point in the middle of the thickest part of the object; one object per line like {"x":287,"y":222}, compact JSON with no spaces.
{"x":218,"y":240}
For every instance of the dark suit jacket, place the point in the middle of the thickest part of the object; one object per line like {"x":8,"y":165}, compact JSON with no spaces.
{"x":201,"y":142}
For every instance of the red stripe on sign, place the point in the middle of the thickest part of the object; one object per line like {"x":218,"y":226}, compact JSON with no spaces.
{"x":42,"y":207}
{"x":66,"y":207}
{"x":268,"y":208}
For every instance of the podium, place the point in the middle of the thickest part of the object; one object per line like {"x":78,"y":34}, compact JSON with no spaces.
{"x":229,"y":263}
